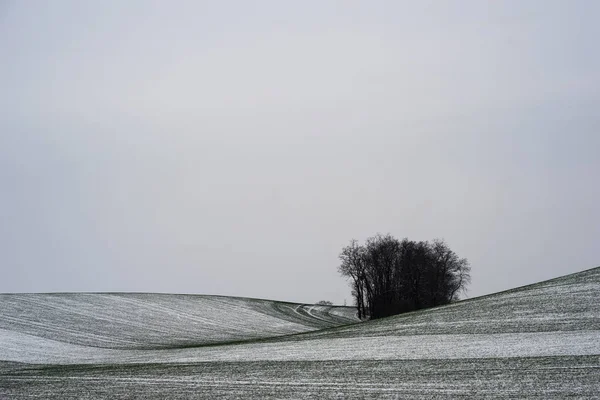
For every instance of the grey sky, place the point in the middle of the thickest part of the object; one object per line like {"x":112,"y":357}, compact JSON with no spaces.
{"x":234,"y":147}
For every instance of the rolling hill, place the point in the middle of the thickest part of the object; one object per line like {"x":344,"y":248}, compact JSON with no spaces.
{"x":155,"y":321}
{"x":537,"y":341}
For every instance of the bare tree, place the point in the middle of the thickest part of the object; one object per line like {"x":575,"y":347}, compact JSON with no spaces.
{"x":352,"y":265}
{"x":388,"y":276}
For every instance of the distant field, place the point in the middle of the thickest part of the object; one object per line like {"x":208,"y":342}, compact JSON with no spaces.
{"x":540,"y":341}
{"x":154,"y":321}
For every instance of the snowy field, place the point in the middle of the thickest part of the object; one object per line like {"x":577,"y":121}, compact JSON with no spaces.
{"x":541,"y":341}
{"x":151,"y":321}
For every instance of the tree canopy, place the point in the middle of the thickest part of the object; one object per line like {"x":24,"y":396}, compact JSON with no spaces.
{"x":389,"y":276}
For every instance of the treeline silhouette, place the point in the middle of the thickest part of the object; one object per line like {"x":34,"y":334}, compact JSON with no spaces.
{"x":389,"y":276}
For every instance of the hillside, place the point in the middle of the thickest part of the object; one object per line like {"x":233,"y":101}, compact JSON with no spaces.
{"x":154,"y":321}
{"x":538,"y":341}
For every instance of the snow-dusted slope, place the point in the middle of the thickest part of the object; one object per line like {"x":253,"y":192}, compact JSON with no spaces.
{"x":553,"y":318}
{"x":153,"y":321}
{"x":566,"y":304}
{"x":538,"y":341}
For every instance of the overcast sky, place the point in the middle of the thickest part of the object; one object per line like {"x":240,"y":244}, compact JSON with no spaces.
{"x":234,"y":147}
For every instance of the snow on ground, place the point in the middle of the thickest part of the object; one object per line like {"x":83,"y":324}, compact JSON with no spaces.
{"x":504,"y":378}
{"x":30,"y":349}
{"x":540,"y":341}
{"x":138,"y":321}
{"x":570,"y":303}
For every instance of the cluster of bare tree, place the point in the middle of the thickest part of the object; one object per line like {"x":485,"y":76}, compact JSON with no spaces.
{"x":389,"y":276}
